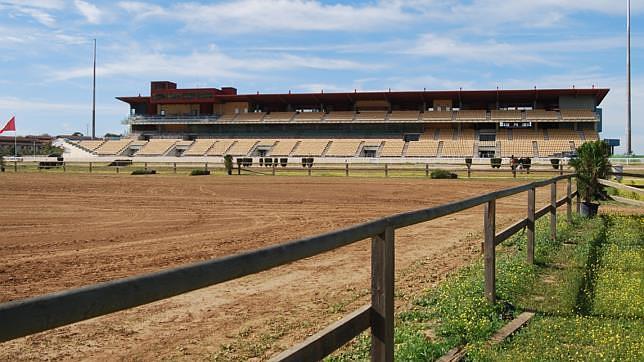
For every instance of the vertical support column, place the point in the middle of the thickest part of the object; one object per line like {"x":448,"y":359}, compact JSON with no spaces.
{"x":569,"y":201}
{"x":531,"y":210}
{"x":553,"y":211}
{"x":489,"y":225}
{"x":382,"y":296}
{"x":346,"y":169}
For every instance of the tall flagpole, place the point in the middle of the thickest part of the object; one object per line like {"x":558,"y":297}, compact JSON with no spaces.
{"x":94,"y":96}
{"x":15,"y":136}
{"x":629,"y":149}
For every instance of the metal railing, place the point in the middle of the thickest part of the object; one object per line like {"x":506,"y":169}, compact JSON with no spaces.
{"x":23,"y":317}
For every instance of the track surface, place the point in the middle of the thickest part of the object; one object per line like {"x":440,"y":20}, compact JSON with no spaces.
{"x":64,"y":231}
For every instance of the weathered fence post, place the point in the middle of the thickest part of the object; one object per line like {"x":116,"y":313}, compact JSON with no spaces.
{"x":274,"y":167}
{"x":489,"y":221}
{"x":530,"y":226}
{"x":15,"y":166}
{"x":145,"y":166}
{"x":569,"y":200}
{"x":386,"y":170}
{"x":578,"y":202}
{"x":553,"y":210}
{"x":174,"y":167}
{"x":426,"y":169}
{"x":309,"y":171}
{"x":346,"y":169}
{"x":64,"y":166}
{"x":382,"y":296}
{"x":117,"y":169}
{"x":90,"y":167}
{"x":206,"y":166}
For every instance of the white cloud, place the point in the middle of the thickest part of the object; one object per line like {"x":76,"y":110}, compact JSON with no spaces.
{"x":39,"y":10}
{"x":210,"y":64}
{"x":91,"y":13}
{"x":284,"y":15}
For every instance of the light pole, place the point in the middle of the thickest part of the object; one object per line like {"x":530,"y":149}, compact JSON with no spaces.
{"x":629,"y":148}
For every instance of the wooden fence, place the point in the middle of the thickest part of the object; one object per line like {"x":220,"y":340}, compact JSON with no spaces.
{"x":23,"y":317}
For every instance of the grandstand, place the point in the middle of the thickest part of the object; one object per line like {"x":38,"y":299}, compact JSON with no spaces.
{"x":450,"y":124}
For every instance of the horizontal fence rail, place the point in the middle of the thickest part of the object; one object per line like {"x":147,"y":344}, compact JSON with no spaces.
{"x":23,"y":317}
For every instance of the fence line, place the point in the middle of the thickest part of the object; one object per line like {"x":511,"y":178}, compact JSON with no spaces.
{"x":23,"y":317}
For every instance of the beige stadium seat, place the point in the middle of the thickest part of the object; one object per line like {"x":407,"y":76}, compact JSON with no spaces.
{"x":526,"y":134}
{"x":157,"y":147}
{"x":309,"y":117}
{"x":199,"y":147}
{"x":457,"y":149}
{"x":220,"y":147}
{"x":228,"y":117}
{"x":423,"y":148}
{"x":471,"y":116}
{"x":241,"y":147}
{"x":112,"y":147}
{"x":563,"y":135}
{"x":404,"y":116}
{"x":279,"y":117}
{"x":577,"y":115}
{"x":250,"y":117}
{"x":392,"y":148}
{"x":339,"y":116}
{"x":509,"y":115}
{"x":284,"y":147}
{"x":517,"y":148}
{"x":90,"y":145}
{"x":311,"y":147}
{"x":437,"y":116}
{"x":541,"y":115}
{"x":371,"y":116}
{"x":591,"y":135}
{"x":550,"y":148}
{"x":343,"y":148}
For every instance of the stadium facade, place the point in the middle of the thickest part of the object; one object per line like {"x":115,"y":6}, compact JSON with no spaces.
{"x":482,"y":123}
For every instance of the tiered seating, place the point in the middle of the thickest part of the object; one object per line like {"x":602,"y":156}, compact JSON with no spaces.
{"x":199,"y":147}
{"x":549,"y":148}
{"x":371,"y":116}
{"x":279,"y":117}
{"x":185,"y":143}
{"x":392,"y":148}
{"x":591,"y":135}
{"x":577,"y":115}
{"x":309,"y":117}
{"x":541,"y":115}
{"x":112,"y":148}
{"x":457,"y":149}
{"x":487,"y":143}
{"x":311,"y":147}
{"x":157,"y":147}
{"x":250,"y":117}
{"x":511,"y":115}
{"x":446,"y":133}
{"x":228,"y":117}
{"x":437,"y":116}
{"x":340,"y":116}
{"x":526,"y":134}
{"x":343,"y":148}
{"x":423,"y":148}
{"x":471,"y":116}
{"x":241,"y":147}
{"x":521,"y":148}
{"x":138,"y":143}
{"x":220,"y":147}
{"x":563,"y":135}
{"x":283,"y":148}
{"x":266,"y":143}
{"x":404,"y":116}
{"x":466,"y":134}
{"x":90,"y":145}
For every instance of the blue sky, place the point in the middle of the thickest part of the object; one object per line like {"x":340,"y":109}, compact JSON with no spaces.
{"x":302,"y":45}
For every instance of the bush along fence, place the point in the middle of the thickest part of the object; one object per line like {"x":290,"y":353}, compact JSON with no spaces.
{"x":23,"y":317}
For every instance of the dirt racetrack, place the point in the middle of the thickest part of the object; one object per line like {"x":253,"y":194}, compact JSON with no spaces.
{"x":62,"y":231}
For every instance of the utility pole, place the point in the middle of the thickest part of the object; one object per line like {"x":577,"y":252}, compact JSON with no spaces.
{"x":94,"y":96}
{"x":629,"y":148}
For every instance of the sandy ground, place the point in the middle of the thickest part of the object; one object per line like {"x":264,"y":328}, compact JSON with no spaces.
{"x":64,"y":231}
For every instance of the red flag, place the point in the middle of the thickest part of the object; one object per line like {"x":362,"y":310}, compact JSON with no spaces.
{"x":10,"y":126}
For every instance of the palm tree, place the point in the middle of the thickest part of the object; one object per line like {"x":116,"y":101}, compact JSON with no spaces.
{"x":591,"y":165}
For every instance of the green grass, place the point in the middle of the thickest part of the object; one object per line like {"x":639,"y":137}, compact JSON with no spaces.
{"x":456,"y":312}
{"x":589,"y":303}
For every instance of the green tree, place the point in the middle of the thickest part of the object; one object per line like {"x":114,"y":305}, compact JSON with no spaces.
{"x":591,"y":165}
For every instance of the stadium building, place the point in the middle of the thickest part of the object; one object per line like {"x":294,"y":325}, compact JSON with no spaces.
{"x":536,"y":123}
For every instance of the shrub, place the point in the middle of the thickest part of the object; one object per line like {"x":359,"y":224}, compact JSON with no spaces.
{"x":591,"y":165}
{"x":199,"y":172}
{"x":495,"y":162}
{"x":228,"y":163}
{"x":443,"y":174}
{"x":144,"y":172}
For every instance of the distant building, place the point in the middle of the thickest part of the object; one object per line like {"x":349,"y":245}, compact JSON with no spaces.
{"x":26,"y":145}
